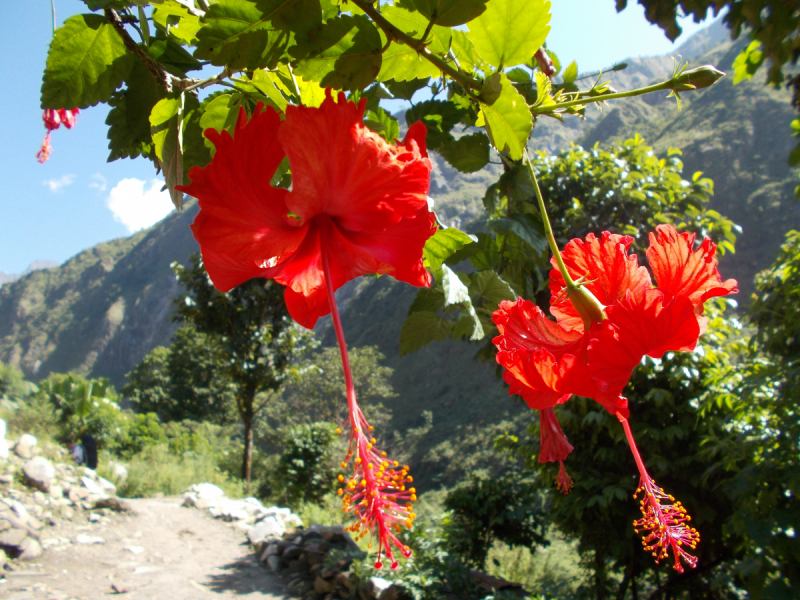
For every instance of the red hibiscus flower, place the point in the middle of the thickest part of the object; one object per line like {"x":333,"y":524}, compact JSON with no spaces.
{"x":546,"y":361}
{"x":53,"y":119}
{"x":357,"y":200}
{"x":358,"y":205}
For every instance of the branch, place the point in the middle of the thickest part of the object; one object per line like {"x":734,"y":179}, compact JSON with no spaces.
{"x":158,"y":72}
{"x":395,"y":34}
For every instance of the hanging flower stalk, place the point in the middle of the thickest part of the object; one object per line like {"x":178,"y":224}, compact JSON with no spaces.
{"x":608,"y":317}
{"x":53,"y":119}
{"x":358,"y":205}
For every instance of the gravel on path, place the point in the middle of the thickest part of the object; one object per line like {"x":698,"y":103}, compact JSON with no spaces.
{"x":162,"y":551}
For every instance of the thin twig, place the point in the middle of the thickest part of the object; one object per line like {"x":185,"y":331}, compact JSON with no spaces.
{"x":395,"y":34}
{"x":158,"y":72}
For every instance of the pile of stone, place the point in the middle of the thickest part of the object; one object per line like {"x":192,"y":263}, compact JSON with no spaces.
{"x":35,"y":492}
{"x":316,"y":562}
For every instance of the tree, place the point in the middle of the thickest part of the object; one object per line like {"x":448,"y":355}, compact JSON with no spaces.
{"x":256,"y":339}
{"x":758,"y":462}
{"x":184,"y":381}
{"x":317,"y":394}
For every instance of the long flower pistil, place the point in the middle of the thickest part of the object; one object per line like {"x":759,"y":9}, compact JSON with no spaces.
{"x":378,"y":485}
{"x":664,"y":522}
{"x":374,"y":492}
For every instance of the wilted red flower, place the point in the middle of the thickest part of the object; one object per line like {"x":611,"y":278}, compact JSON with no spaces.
{"x":358,"y":205}
{"x":53,"y":119}
{"x":355,"y":198}
{"x":546,"y":362}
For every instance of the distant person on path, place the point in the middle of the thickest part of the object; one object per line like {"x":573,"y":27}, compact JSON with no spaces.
{"x":77,"y":452}
{"x":89,"y":450}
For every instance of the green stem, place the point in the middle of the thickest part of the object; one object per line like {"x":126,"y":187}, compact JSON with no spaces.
{"x":550,"y":108}
{"x":548,"y":230}
{"x":393,"y":33}
{"x":144,"y":25}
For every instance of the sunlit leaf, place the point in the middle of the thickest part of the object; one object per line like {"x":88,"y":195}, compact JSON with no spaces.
{"x":509,"y":32}
{"x":508,"y":119}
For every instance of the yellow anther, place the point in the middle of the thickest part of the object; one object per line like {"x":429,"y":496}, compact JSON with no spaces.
{"x":340,"y":477}
{"x":340,"y":491}
{"x":344,"y":465}
{"x":338,"y":430}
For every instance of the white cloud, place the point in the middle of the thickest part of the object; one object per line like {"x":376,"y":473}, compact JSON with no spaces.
{"x":136,"y":206}
{"x":98,"y":183}
{"x":56,"y":185}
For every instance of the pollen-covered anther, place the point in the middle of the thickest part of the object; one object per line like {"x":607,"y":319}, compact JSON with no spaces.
{"x":664,"y":526}
{"x":564,"y":482}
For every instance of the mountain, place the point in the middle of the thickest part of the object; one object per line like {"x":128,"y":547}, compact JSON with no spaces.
{"x":104,"y":309}
{"x":36,"y":265}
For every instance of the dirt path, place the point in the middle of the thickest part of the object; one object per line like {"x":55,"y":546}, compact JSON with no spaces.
{"x":162,"y":552}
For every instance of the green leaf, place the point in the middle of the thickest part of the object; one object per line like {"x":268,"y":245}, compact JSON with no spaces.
{"x":508,"y":119}
{"x":264,"y":81}
{"x":450,"y":13}
{"x":468,"y":154}
{"x":172,"y":155}
{"x":747,"y":62}
{"x":490,"y":287}
{"x":510,"y":32}
{"x":403,"y":63}
{"x":344,"y":53}
{"x":526,"y":227}
{"x":571,"y":73}
{"x":87,"y":61}
{"x":442,"y":245}
{"x":244,"y":34}
{"x":420,"y":329}
{"x":382,"y":122}
{"x":175,"y":59}
{"x":161,"y":115}
{"x":439,"y":116}
{"x":129,"y":119}
{"x":176,"y":20}
{"x":455,"y":292}
{"x":427,"y":299}
{"x":466,"y":53}
{"x":406,"y":89}
{"x":220,"y":113}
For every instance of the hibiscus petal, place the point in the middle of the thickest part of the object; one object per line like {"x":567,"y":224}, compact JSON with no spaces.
{"x":241,"y":214}
{"x":682,"y":273}
{"x":341,"y":168}
{"x":226,"y":272}
{"x":554,"y":444}
{"x":399,"y":247}
{"x":536,"y":376}
{"x":608,"y":271}
{"x":416,"y":133}
{"x":523,"y":325}
{"x":636,"y":328}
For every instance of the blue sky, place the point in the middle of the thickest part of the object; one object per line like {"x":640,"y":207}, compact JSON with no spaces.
{"x":77,"y":199}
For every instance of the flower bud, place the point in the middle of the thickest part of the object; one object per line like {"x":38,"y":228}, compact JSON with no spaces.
{"x":586,"y":304}
{"x":696,"y":79}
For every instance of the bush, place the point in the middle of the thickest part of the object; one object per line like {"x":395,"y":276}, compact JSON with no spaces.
{"x":306,"y":471}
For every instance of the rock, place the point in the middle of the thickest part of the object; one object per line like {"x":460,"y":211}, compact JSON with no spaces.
{"x":207,"y":492}
{"x":56,"y":492}
{"x":6,"y":478}
{"x":266,"y":530}
{"x":113,"y":503}
{"x":29,"y":549}
{"x":39,"y":472}
{"x":25,"y":445}
{"x":119,"y":588}
{"x":394,"y":592}
{"x":274,"y":563}
{"x":322,"y":587}
{"x":291,"y":553}
{"x":135,"y":549}
{"x":13,"y":537}
{"x":89,"y":539}
{"x":270,"y":550}
{"x":108,"y":487}
{"x":119,"y":471}
{"x":93,"y":488}
{"x":3,"y":442}
{"x":376,"y":585}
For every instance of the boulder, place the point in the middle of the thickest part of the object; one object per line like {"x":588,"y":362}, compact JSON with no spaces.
{"x":25,"y":446}
{"x":39,"y":473}
{"x":266,"y":530}
{"x":29,"y":549}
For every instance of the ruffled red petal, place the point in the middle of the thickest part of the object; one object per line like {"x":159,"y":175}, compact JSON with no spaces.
{"x":416,"y":133}
{"x":537,"y":376}
{"x":226,"y":272}
{"x":523,"y":325}
{"x":636,"y":328}
{"x":554,"y":444}
{"x":683,"y":273}
{"x":342,"y":169}
{"x":241,"y":214}
{"x":608,"y":271}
